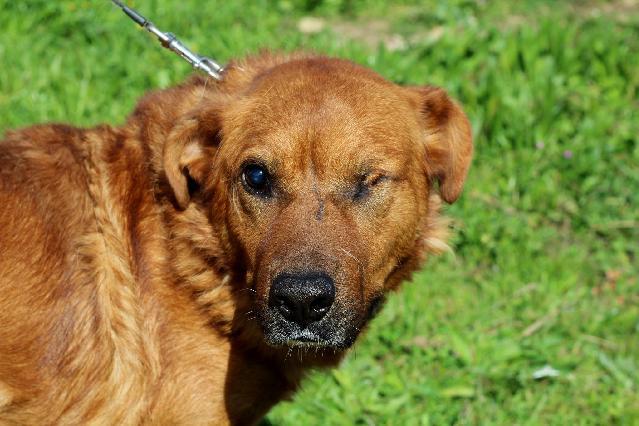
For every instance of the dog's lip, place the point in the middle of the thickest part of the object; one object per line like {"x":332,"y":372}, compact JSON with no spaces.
{"x":302,"y":338}
{"x":306,"y":343}
{"x":306,"y":338}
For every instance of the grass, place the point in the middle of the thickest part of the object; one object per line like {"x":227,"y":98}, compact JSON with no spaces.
{"x":546,"y":234}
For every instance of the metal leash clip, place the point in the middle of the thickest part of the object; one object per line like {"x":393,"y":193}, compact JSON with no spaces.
{"x":171,"y":42}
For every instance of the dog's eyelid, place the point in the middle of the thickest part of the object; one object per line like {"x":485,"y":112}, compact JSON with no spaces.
{"x":374,"y":177}
{"x":254,"y":161}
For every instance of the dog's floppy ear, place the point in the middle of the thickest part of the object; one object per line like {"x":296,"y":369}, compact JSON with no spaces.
{"x":449,"y":144}
{"x":189,"y":150}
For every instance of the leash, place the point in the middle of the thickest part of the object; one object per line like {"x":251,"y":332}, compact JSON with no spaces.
{"x":169,"y":41}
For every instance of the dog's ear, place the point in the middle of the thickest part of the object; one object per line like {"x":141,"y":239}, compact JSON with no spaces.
{"x":449,"y":144}
{"x":189,"y":151}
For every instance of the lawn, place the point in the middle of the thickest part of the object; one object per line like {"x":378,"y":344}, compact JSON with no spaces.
{"x":545,"y":270}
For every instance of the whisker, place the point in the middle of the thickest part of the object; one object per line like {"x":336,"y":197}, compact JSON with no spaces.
{"x":351,"y":255}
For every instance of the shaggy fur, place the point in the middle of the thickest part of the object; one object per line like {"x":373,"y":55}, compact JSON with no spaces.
{"x":135,"y":268}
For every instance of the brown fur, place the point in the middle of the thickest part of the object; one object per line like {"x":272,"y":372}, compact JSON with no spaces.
{"x":127,"y":296}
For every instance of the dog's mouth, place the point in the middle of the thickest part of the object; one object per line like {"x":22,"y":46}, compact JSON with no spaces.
{"x":306,"y":339}
{"x":309,"y":339}
{"x":338,"y":330}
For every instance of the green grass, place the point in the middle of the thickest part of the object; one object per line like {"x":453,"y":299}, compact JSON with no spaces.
{"x":546,"y":234}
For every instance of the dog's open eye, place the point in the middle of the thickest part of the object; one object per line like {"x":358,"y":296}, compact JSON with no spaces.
{"x":256,"y":180}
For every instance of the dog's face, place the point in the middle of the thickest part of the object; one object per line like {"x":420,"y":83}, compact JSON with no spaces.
{"x":324,"y":170}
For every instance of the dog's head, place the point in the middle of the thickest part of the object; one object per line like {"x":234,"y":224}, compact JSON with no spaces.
{"x":319,"y":176}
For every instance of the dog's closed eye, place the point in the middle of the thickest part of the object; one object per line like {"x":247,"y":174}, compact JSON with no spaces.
{"x":366,"y":183}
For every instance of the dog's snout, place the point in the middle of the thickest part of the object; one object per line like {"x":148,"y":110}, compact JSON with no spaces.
{"x":302,"y":298}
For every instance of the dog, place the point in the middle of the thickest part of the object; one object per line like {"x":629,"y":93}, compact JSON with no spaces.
{"x":190,"y":266}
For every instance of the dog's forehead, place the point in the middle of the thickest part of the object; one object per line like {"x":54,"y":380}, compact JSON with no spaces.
{"x":311,"y":84}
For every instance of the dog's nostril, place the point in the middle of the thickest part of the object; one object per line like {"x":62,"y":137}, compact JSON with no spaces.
{"x":285,"y":307}
{"x":320,"y":307}
{"x":302,"y":298}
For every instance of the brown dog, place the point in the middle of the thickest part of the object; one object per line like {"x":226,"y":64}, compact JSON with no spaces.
{"x":177,"y":270}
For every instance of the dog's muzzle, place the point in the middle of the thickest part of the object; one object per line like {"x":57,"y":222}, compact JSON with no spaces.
{"x":302,"y":311}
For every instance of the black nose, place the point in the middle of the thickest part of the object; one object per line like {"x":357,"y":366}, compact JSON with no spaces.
{"x":302,"y":298}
